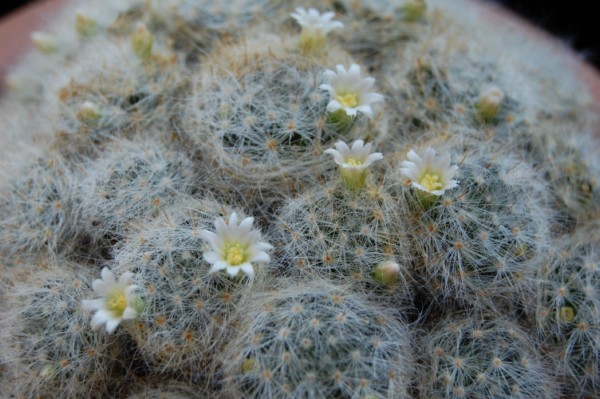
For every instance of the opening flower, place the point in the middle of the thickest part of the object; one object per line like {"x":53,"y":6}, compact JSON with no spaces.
{"x":315,"y":26}
{"x":235,"y":246}
{"x":117,"y":303}
{"x":354,"y":161}
{"x":430,"y":173}
{"x":350,"y":91}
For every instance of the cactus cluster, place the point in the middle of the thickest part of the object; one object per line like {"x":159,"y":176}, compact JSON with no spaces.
{"x":296,"y":199}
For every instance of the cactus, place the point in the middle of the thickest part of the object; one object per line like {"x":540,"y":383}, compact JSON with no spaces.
{"x":40,"y":209}
{"x":487,"y":359}
{"x":568,"y":312}
{"x":50,"y":349}
{"x":481,"y":243}
{"x":186,"y":310}
{"x":332,"y":232}
{"x":132,"y":182}
{"x":187,"y":186}
{"x":315,"y":340}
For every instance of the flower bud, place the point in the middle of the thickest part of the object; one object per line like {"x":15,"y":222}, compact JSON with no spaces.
{"x":413,"y":10}
{"x":489,"y":102}
{"x":142,"y":42}
{"x":89,"y":112}
{"x":84,"y":25}
{"x":387,"y":273}
{"x":44,"y":42}
{"x":566,"y":314}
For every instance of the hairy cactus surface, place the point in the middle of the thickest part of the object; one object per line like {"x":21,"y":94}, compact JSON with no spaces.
{"x":350,"y":199}
{"x":316,"y":341}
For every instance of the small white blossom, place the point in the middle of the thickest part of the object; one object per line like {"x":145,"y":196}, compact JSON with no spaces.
{"x":430,"y":173}
{"x":357,"y":157}
{"x":350,"y":91}
{"x":312,"y":21}
{"x":117,"y":302}
{"x":235,"y":247}
{"x":354,"y":161}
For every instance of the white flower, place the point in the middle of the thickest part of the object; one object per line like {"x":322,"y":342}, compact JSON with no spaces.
{"x":117,"y":302}
{"x":235,"y":247}
{"x":430,"y":174}
{"x":350,"y":91}
{"x":357,"y":157}
{"x":314,"y":22}
{"x":354,"y":161}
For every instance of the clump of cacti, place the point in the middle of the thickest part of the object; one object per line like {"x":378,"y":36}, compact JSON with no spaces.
{"x":286,"y":199}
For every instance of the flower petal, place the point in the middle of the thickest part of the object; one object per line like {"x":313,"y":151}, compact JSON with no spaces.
{"x":213,"y":239}
{"x":100,"y":287}
{"x":246,"y":225}
{"x":218,"y":266}
{"x":92,"y":304}
{"x":376,"y":156}
{"x":341,"y":70}
{"x":125,"y":278}
{"x":261,"y":257}
{"x":112,"y":324}
{"x":357,"y":146}
{"x":232,"y":270}
{"x":211,"y":257}
{"x":108,"y":276}
{"x":327,"y":87}
{"x":100,"y":317}
{"x":130,"y":314}
{"x":333,"y":106}
{"x":414,"y":157}
{"x":354,"y":70}
{"x":248,"y":269}
{"x":371,"y":98}
{"x":365,"y":109}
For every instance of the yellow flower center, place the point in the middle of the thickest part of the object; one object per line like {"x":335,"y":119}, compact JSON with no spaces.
{"x":117,"y":303}
{"x":349,"y":100}
{"x":354,"y":162}
{"x":235,"y":254}
{"x":431,"y":182}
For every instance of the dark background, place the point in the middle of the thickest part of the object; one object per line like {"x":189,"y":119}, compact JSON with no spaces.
{"x":574,"y":21}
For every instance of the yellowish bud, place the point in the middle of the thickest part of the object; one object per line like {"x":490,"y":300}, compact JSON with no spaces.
{"x":248,"y":365}
{"x":566,"y":314}
{"x":489,"y":102}
{"x":84,"y":25}
{"x":142,"y":42}
{"x":89,"y":112}
{"x":413,"y":10}
{"x":44,"y":42}
{"x":387,"y":273}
